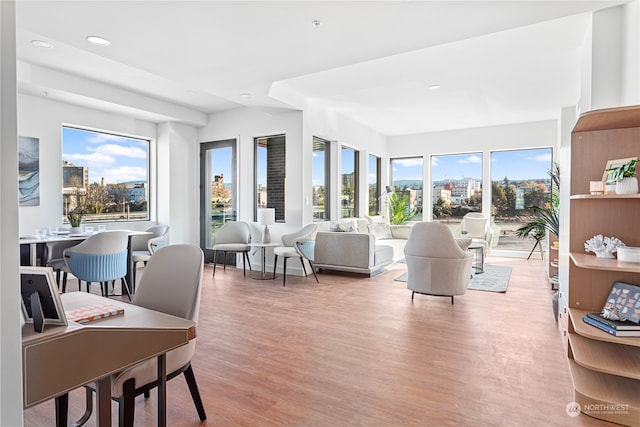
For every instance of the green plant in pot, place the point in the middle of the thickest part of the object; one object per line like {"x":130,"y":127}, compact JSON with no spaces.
{"x":399,"y":209}
{"x":75,"y":219}
{"x":624,"y":177}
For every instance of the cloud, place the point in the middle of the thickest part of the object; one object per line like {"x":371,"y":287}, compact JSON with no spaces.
{"x":119,"y":150}
{"x":434,"y":161}
{"x":540,"y":158}
{"x":92,"y":159}
{"x":471,"y":159}
{"x":98,"y":138}
{"x":414,"y":161}
{"x":123,"y":174}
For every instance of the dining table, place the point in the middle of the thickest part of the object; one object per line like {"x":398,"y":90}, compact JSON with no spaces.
{"x":35,"y":240}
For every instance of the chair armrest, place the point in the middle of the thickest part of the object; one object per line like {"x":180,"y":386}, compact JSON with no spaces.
{"x":306,"y":248}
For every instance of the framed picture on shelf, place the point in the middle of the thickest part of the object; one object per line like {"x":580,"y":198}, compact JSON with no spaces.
{"x":614,"y":164}
{"x":41,"y":303}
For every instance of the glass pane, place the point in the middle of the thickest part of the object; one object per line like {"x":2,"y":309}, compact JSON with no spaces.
{"x":348,"y":202}
{"x":374,"y":184}
{"x":456,"y":180}
{"x":519,"y":179}
{"x":105,"y":176}
{"x":406,"y":179}
{"x":320,"y":177}
{"x":220,"y":177}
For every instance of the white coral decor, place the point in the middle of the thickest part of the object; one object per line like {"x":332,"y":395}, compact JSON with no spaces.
{"x":604,"y":247}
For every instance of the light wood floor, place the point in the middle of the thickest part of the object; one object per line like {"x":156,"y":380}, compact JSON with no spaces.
{"x":356,"y":351}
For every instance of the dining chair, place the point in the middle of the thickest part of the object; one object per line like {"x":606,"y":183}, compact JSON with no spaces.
{"x":56,"y":260}
{"x":171,"y":284}
{"x":288,"y":249}
{"x":234,"y":236}
{"x":100,"y":258}
{"x":142,"y":247}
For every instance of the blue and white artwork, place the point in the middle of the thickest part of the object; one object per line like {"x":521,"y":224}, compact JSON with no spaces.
{"x":29,"y":171}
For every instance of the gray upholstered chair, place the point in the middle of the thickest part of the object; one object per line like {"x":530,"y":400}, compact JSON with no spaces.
{"x":55,"y":260}
{"x":289,"y":250}
{"x":476,"y":227}
{"x":142,"y":247}
{"x":436,"y":264}
{"x":234,"y":236}
{"x":172,"y":284}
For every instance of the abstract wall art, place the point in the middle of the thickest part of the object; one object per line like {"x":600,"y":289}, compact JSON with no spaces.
{"x":29,"y":171}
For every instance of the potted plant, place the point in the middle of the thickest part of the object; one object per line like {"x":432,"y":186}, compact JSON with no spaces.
{"x":75,"y":219}
{"x":624,"y":177}
{"x":399,"y":209}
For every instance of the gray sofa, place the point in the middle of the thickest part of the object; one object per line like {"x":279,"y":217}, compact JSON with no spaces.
{"x":357,"y":252}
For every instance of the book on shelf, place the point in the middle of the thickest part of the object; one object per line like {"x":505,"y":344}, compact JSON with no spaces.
{"x":616,"y":324}
{"x":89,"y":313}
{"x":609,"y":329}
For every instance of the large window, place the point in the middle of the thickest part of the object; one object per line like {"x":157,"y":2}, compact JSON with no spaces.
{"x":349,"y":191}
{"x":456,"y":186}
{"x":270,"y":174}
{"x":519,"y":179}
{"x":320,"y":177}
{"x":374,"y":184}
{"x":105,"y":176}
{"x":406,"y":179}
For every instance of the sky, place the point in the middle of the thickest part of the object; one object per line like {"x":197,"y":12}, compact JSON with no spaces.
{"x":115,"y":158}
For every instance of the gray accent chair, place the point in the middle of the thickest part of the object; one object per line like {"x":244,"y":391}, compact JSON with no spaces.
{"x":234,"y":236}
{"x":55,"y":260}
{"x":142,"y":247}
{"x":289,"y":250}
{"x":436,"y":263}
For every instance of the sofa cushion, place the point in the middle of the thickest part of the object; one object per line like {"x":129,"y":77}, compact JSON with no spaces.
{"x":345,"y":225}
{"x":380,"y":231}
{"x":383,"y":254}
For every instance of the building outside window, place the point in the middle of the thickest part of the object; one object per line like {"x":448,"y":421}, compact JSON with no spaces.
{"x":349,"y":183}
{"x":519,"y":179}
{"x":105,"y":176}
{"x":406,"y":179}
{"x":270,"y":174}
{"x":456,"y":186}
{"x":320,"y":176}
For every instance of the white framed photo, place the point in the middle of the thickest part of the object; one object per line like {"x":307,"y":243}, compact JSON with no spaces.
{"x":40,"y":283}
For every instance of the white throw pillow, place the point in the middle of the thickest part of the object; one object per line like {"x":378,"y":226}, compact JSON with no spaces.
{"x":380,"y":231}
{"x":344,"y":225}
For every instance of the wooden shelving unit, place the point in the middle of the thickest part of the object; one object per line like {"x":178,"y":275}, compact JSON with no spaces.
{"x":605,"y":369}
{"x":552,"y":261}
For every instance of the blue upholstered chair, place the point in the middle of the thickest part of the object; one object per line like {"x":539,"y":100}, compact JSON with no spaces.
{"x":289,"y":250}
{"x":100,"y":258}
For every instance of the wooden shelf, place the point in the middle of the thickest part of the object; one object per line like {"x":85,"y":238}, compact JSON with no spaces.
{"x":596,"y":355}
{"x":592,"y":262}
{"x":605,"y":196}
{"x":606,"y":397}
{"x":591,"y":332}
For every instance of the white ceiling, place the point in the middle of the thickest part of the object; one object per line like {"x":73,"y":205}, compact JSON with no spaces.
{"x":497,"y":62}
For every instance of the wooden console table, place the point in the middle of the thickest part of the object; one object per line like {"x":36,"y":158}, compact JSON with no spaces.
{"x":64,"y":358}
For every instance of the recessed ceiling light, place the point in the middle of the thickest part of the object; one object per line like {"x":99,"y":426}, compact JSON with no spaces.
{"x":246,"y":96}
{"x":98,"y":41}
{"x":434,"y":87}
{"x":41,"y":43}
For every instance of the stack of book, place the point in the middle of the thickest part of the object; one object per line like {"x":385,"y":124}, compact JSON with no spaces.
{"x":623,"y":302}
{"x":613,"y":327}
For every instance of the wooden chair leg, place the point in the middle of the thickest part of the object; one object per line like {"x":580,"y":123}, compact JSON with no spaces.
{"x":195,"y":394}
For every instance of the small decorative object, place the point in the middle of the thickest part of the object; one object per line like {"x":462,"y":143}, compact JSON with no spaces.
{"x":629,"y":254}
{"x":596,"y":187}
{"x":266,"y":217}
{"x":612,"y":312}
{"x":622,"y":173}
{"x":75,"y":219}
{"x":602,"y":246}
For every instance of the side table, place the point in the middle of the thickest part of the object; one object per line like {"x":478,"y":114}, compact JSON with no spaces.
{"x":479,"y":255}
{"x":263,"y":247}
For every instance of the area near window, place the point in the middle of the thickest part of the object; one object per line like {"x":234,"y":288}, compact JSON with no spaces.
{"x":349,"y":182}
{"x":519,"y":179}
{"x":406,"y":179}
{"x":105,"y":176}
{"x":270,"y":174}
{"x":456,"y":183}
{"x":320,"y":176}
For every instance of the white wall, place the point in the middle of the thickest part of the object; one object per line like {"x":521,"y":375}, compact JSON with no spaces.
{"x":43,"y":119}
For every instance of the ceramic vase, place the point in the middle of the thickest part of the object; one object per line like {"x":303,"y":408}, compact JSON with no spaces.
{"x":75,"y":230}
{"x":627,"y":185}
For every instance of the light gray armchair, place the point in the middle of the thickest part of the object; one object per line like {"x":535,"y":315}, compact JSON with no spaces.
{"x":476,"y":227}
{"x":234,"y":236}
{"x":436,"y":264}
{"x":288,"y":249}
{"x":143,"y":247}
